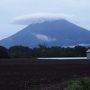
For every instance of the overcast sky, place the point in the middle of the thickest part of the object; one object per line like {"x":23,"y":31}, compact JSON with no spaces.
{"x":77,"y":10}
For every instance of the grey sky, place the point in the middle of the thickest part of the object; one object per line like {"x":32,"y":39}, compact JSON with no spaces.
{"x":9,"y":9}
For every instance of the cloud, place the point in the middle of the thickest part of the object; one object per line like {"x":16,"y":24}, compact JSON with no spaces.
{"x":39,"y":18}
{"x":44,"y":37}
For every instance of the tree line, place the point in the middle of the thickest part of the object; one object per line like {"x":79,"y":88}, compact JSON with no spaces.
{"x":42,"y":51}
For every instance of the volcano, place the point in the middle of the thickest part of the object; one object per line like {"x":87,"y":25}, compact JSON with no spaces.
{"x":51,"y":33}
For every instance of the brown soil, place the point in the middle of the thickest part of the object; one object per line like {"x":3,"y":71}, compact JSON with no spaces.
{"x":21,"y":74}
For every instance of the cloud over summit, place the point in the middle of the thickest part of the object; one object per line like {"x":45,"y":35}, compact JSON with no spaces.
{"x":39,"y":18}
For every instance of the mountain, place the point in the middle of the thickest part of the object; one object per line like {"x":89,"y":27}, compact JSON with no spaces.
{"x":55,"y":32}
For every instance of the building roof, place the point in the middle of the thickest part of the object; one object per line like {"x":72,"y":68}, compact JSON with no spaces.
{"x":88,"y":51}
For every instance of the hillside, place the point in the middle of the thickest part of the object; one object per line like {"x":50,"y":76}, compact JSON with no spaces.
{"x":52,"y":33}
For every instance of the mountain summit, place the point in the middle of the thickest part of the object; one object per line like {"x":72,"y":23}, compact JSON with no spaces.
{"x":52,"y":33}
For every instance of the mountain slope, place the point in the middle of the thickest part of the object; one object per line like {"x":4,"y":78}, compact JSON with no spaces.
{"x":59,"y":32}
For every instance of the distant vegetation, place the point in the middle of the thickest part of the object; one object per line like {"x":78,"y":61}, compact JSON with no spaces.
{"x":42,"y":51}
{"x":4,"y":53}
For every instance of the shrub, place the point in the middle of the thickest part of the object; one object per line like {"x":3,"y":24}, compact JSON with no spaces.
{"x":81,"y":84}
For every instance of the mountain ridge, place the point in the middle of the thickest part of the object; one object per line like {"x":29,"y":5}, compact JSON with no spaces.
{"x":52,"y":33}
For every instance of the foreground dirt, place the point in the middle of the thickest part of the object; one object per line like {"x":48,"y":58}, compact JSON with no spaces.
{"x":24,"y":74}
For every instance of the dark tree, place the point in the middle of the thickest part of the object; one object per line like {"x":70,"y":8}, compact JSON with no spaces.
{"x":20,"y":52}
{"x":80,"y":51}
{"x":40,"y":51}
{"x":4,"y":52}
{"x":44,"y":51}
{"x":55,"y":51}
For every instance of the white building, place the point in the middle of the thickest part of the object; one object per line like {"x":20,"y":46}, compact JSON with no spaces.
{"x":88,"y":54}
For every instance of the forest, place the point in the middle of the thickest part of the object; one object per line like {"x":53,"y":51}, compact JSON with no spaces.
{"x":42,"y":51}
